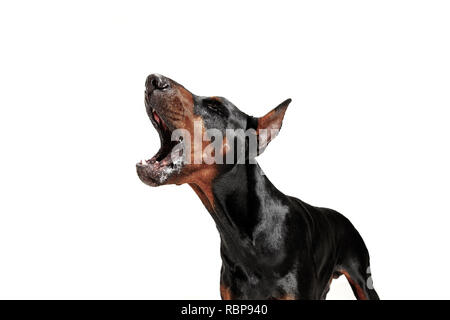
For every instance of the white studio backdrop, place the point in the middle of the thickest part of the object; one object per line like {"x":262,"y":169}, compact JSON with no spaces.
{"x":367,"y":134}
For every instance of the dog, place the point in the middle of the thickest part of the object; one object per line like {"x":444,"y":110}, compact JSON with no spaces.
{"x":273,"y":246}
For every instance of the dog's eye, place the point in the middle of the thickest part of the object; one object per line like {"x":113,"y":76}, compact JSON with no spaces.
{"x":215,"y":106}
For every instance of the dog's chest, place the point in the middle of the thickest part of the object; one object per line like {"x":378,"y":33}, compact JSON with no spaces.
{"x":245,"y":284}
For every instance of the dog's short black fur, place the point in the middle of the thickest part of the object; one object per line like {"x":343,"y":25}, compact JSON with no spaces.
{"x":273,"y":246}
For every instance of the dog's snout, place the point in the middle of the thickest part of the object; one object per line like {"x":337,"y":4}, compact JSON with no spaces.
{"x":156,"y":82}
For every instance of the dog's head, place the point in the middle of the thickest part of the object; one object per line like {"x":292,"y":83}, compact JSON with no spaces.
{"x":200,"y":136}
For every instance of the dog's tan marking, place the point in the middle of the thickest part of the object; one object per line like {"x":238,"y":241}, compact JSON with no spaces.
{"x":359,"y":291}
{"x":225,"y":293}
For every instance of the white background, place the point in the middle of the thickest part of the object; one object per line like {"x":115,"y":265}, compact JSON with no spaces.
{"x":367,"y":134}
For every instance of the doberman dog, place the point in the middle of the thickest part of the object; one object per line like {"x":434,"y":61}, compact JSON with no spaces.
{"x":273,"y":246}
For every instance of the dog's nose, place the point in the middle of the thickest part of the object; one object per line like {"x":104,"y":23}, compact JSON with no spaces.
{"x":156,"y":82}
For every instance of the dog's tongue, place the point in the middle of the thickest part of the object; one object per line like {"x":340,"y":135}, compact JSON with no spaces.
{"x":156,"y":117}
{"x":159,"y":120}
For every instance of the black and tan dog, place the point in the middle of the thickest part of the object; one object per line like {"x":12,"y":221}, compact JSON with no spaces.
{"x":273,"y":246}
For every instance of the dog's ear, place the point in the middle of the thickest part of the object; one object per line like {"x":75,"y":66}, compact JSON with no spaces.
{"x":270,"y":124}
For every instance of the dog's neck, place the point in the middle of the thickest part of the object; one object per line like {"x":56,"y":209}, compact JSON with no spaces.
{"x":248,"y":211}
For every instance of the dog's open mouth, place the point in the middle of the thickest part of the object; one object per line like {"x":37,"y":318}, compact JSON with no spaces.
{"x":168,"y":159}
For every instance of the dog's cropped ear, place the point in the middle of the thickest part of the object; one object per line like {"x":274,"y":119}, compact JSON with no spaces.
{"x":270,"y":124}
